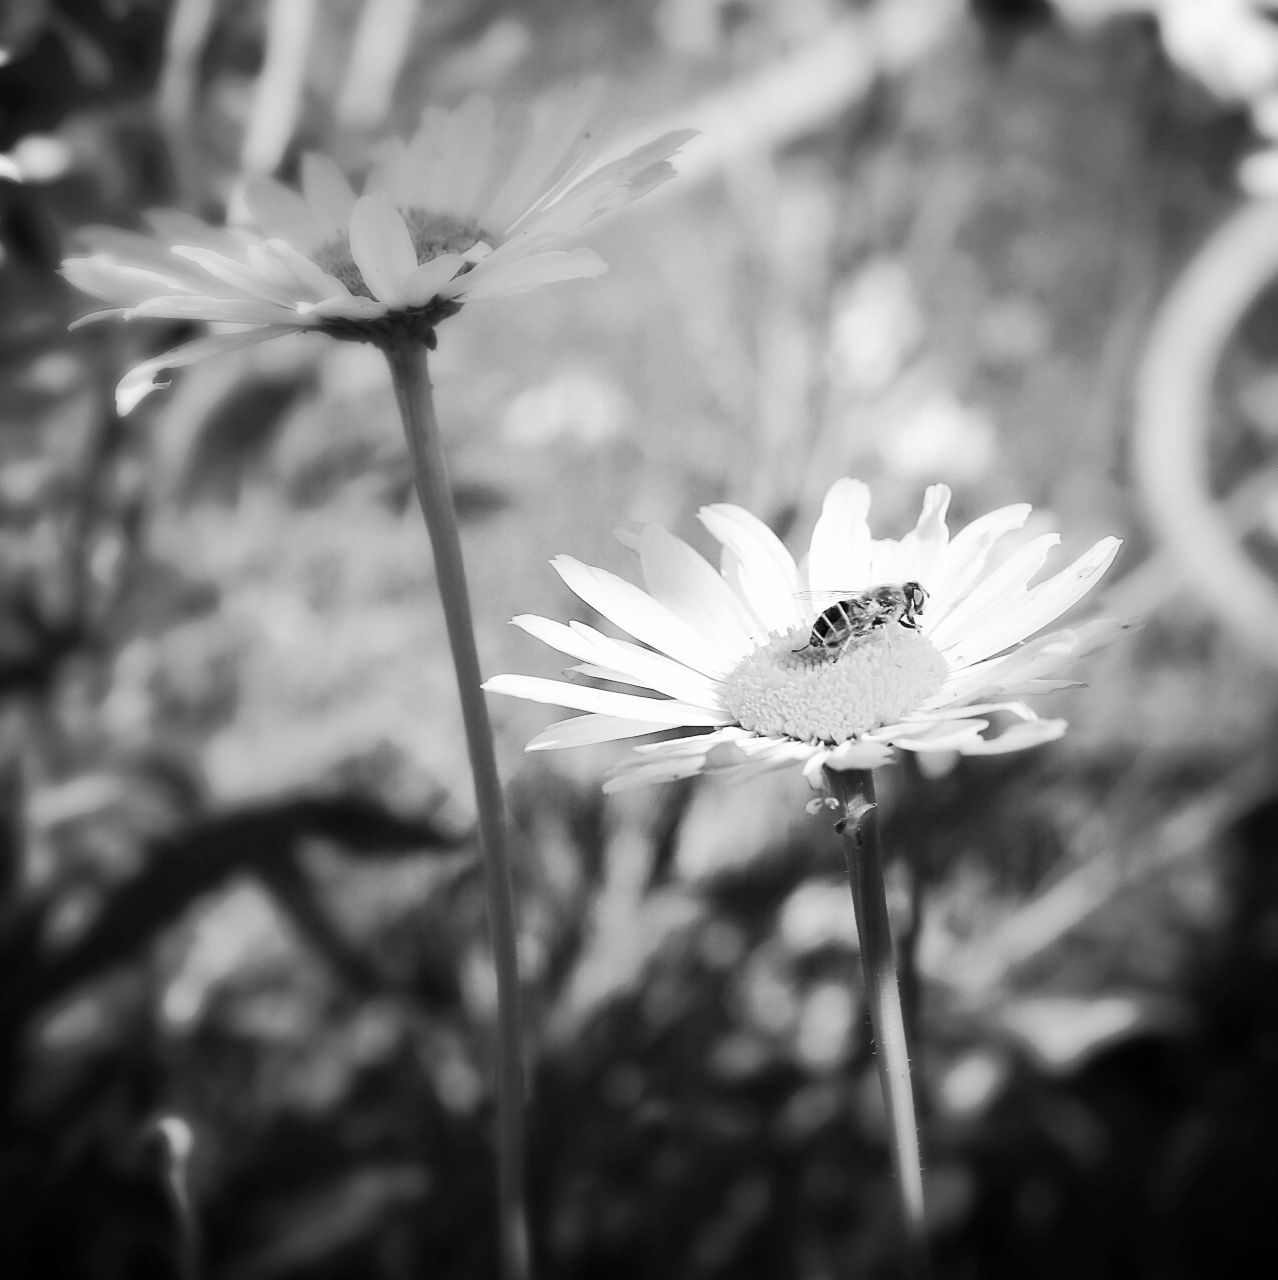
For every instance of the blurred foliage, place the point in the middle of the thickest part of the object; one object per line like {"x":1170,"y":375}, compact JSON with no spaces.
{"x":236,"y":886}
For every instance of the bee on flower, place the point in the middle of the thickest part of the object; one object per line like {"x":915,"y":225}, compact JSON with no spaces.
{"x":726,"y":656}
{"x":477,"y":204}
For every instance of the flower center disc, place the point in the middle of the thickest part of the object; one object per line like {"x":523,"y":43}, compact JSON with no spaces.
{"x":815,"y":697}
{"x":432,"y":234}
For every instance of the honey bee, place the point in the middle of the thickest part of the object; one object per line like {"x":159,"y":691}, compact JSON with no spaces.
{"x":858,"y":615}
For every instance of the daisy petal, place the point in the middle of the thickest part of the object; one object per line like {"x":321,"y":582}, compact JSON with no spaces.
{"x":653,"y":773}
{"x":766,"y":572}
{"x":316,"y":283}
{"x":1017,"y":737}
{"x":179,"y":227}
{"x":425,"y":282}
{"x":351,"y":307}
{"x":963,"y":561}
{"x":381,"y":247}
{"x":859,"y":754}
{"x":688,"y":586}
{"x":589,"y":730}
{"x":255,"y":284}
{"x":327,"y":192}
{"x":697,"y":743}
{"x":1044,"y":604}
{"x":684,"y":757}
{"x":282,"y":213}
{"x":950,"y":735}
{"x":106,"y":280}
{"x":631,"y":663}
{"x":525,"y":274}
{"x":996,"y":675}
{"x":643,"y":617}
{"x":958,"y":712}
{"x":668,"y":711}
{"x":1001,"y":589}
{"x":920,"y":552}
{"x":556,"y":126}
{"x":215,"y":311}
{"x":140,"y":381}
{"x":839,"y":557}
{"x":464,"y":150}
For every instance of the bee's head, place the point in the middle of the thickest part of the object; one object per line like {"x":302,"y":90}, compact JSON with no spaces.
{"x":915,"y":595}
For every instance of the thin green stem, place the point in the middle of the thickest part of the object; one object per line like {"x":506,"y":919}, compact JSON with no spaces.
{"x":421,"y":428}
{"x":858,"y":825}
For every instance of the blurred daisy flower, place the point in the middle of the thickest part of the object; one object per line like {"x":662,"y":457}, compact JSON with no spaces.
{"x":475,"y":205}
{"x":729,"y":651}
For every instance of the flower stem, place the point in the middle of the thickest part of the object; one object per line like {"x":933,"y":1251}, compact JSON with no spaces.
{"x":434,"y":492}
{"x":858,"y":824}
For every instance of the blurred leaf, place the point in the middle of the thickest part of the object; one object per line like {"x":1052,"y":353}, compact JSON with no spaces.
{"x":190,"y":863}
{"x":82,"y":53}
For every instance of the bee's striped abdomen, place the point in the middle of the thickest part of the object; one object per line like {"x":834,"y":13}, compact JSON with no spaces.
{"x":831,"y":628}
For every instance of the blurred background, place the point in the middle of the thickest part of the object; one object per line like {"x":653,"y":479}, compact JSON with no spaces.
{"x":243,"y":977}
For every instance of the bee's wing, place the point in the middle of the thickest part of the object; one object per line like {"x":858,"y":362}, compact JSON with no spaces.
{"x":825,"y":597}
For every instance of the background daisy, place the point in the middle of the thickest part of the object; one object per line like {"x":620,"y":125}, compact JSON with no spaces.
{"x":476,"y":204}
{"x":727,"y":652}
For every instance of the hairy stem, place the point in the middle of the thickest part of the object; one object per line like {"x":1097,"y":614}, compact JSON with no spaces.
{"x":417,"y":409}
{"x":858,"y":825}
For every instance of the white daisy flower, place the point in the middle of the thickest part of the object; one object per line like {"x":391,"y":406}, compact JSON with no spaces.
{"x":728,"y":653}
{"x":474,"y":205}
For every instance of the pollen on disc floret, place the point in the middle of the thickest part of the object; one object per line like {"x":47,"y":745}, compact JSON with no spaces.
{"x":814,"y":697}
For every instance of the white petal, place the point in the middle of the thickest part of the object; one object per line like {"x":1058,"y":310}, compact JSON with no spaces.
{"x":128,"y":251}
{"x":766,"y":571}
{"x":466,"y":147}
{"x":381,"y":247}
{"x":998,"y":591}
{"x":316,"y":283}
{"x":653,"y":773}
{"x":588,"y":730}
{"x":772,"y":755}
{"x":605,"y":188}
{"x":839,"y":557}
{"x":212,"y":310}
{"x":1047,"y":653}
{"x":634,"y":664}
{"x":118,"y":280}
{"x":643,"y":617}
{"x":690,"y":587}
{"x":725,"y":751}
{"x":175,"y":226}
{"x":350,"y":307}
{"x":327,"y":192}
{"x":859,"y":754}
{"x":215,"y":311}
{"x":1042,"y":605}
{"x":505,"y":280}
{"x":919,"y":555}
{"x":393,"y":173}
{"x":254,"y":283}
{"x":963,"y":561}
{"x":1017,"y":737}
{"x":967,"y":709}
{"x":425,"y":282}
{"x":951,"y":735}
{"x":666,"y":711}
{"x":108,"y":281}
{"x":281,"y":213}
{"x":140,"y":381}
{"x":108,"y":313}
{"x":555,"y":128}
